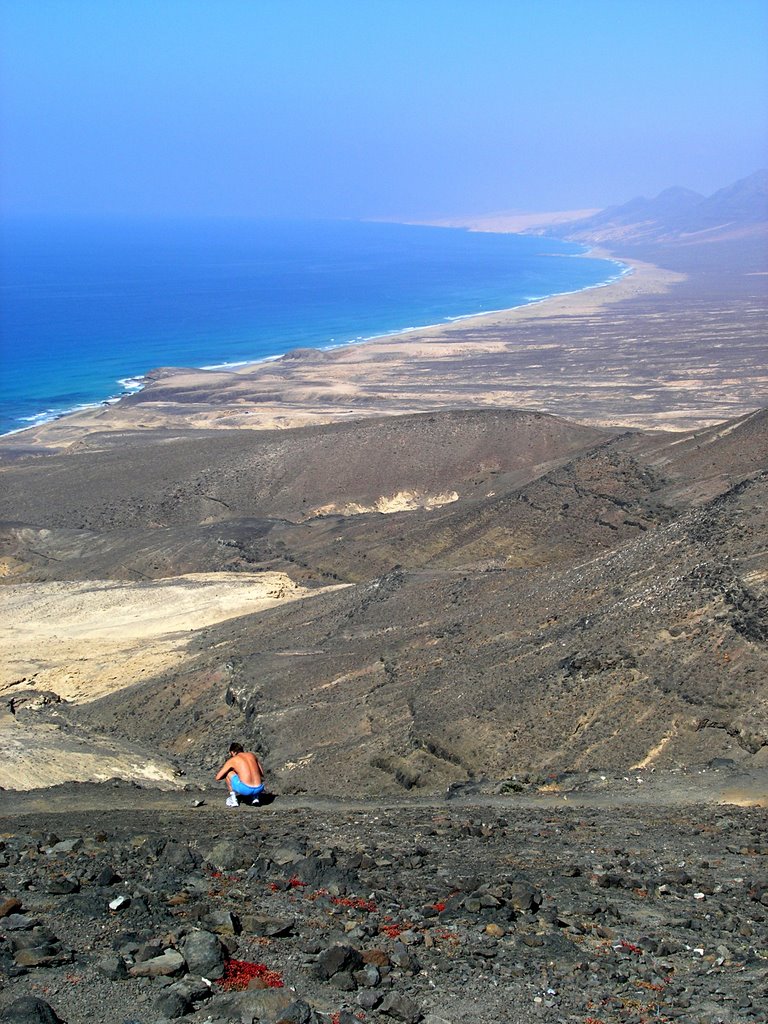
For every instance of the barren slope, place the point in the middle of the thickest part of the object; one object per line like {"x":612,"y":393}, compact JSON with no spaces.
{"x":598,"y":609}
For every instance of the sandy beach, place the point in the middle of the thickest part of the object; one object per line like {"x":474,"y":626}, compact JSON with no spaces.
{"x":656,"y":348}
{"x":509,"y":358}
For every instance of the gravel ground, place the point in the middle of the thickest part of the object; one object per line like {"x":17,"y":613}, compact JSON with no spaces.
{"x":460,"y":911}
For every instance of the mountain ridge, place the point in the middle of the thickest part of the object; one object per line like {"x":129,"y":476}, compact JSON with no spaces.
{"x":677,"y":214}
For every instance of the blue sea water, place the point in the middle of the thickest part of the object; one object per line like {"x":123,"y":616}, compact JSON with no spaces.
{"x":86,"y":308}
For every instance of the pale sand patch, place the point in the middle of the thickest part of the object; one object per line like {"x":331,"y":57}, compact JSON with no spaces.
{"x":403,"y":501}
{"x":512,"y":221}
{"x":25,"y":747}
{"x":745,"y":797}
{"x":655,"y":752}
{"x":85,"y":669}
{"x":84,"y":640}
{"x":81,"y":641}
{"x":116,"y":610}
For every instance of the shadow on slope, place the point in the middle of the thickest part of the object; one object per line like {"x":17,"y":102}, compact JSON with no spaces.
{"x":163,"y":479}
{"x":654,"y":653}
{"x":606,"y":611}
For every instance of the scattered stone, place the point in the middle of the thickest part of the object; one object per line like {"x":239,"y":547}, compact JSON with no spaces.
{"x":287,"y":854}
{"x":541,"y":941}
{"x":66,"y":846}
{"x":106,"y":877}
{"x":297,"y":1012}
{"x":171,"y":962}
{"x":10,"y":906}
{"x":113,"y":967}
{"x":63,"y":886}
{"x":19,"y":922}
{"x":222,"y":922}
{"x":401,"y":1007}
{"x":272,"y":927}
{"x":264,"y":1004}
{"x":227,"y":856}
{"x":40,"y":956}
{"x":204,"y":954}
{"x":173,"y":1004}
{"x":336,"y":960}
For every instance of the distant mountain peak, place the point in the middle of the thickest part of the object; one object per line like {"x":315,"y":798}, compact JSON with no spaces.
{"x":678,"y":212}
{"x":676,"y":193}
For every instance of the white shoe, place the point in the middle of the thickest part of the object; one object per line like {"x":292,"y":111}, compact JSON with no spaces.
{"x":232,"y":800}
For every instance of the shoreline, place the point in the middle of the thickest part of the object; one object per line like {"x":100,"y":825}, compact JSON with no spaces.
{"x":634,"y":279}
{"x":137,"y":382}
{"x":625,"y":352}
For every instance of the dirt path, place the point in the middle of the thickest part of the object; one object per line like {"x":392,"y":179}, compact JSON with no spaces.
{"x":720,"y":785}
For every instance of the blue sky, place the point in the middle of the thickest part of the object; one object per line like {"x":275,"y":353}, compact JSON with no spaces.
{"x":375,"y":108}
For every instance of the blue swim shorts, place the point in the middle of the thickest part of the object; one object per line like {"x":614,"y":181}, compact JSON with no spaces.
{"x":242,"y":790}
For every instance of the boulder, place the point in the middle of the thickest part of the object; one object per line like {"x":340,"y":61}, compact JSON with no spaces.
{"x":261,"y":1004}
{"x":172,"y":1004}
{"x":204,"y":954}
{"x":229,"y":856}
{"x":338,"y":959}
{"x":10,"y":906}
{"x":168,"y":964}
{"x":401,"y":1007}
{"x":30,"y":1010}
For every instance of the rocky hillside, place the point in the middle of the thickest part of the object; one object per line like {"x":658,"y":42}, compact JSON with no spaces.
{"x":487,"y":594}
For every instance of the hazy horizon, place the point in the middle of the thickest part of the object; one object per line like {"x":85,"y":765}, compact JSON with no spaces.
{"x":383,"y":110}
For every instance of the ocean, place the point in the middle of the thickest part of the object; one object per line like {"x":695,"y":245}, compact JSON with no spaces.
{"x":87,"y":308}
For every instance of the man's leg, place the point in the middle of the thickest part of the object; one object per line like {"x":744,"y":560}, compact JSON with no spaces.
{"x":232,"y":800}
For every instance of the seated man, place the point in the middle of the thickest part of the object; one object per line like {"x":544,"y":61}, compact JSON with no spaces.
{"x":244,"y":776}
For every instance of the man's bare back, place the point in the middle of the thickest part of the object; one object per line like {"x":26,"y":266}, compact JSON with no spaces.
{"x":246,"y":765}
{"x":244,"y":776}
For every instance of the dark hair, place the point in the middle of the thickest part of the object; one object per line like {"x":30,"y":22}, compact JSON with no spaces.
{"x":236,"y":748}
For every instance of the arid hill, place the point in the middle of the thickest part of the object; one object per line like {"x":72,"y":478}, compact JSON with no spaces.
{"x":481,"y":595}
{"x":679,"y":215}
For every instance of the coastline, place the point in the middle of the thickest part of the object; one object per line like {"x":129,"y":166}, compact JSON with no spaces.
{"x":343,"y":283}
{"x":176,"y":481}
{"x":137,"y":382}
{"x":297,"y":385}
{"x":643,"y":350}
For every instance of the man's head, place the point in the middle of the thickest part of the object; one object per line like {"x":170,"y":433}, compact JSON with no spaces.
{"x":235,"y":748}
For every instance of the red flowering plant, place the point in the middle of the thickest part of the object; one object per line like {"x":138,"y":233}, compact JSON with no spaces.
{"x":239,"y":973}
{"x":355,"y":902}
{"x":629,"y":947}
{"x":393,"y":928}
{"x":292,"y":883}
{"x":317,"y":894}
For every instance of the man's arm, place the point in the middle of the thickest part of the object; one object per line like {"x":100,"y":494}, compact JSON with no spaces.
{"x":225,"y":769}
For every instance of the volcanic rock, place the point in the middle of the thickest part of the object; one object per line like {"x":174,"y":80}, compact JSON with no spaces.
{"x":30,"y":1010}
{"x":204,"y":954}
